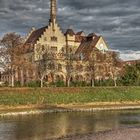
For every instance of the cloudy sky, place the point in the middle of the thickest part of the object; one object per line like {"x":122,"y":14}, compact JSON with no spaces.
{"x":117,"y":20}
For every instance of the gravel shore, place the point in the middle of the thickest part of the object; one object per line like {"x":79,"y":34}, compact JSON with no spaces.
{"x":122,"y":134}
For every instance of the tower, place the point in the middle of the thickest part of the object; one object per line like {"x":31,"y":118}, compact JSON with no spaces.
{"x":53,"y":12}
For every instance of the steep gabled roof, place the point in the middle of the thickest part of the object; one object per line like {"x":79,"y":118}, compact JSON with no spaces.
{"x":80,"y":33}
{"x":92,"y":35}
{"x":79,"y":38}
{"x":32,"y":39}
{"x":87,"y":46}
{"x":70,"y":32}
{"x":35,"y":36}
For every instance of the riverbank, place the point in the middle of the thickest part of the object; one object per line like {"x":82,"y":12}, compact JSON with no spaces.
{"x":122,"y":134}
{"x":68,"y":99}
{"x":89,"y":107}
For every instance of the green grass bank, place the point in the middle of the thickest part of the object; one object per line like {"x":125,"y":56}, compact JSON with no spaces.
{"x":54,"y":96}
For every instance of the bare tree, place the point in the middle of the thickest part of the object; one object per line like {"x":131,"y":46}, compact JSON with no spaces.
{"x":69,"y":66}
{"x":3,"y":58}
{"x":11,"y":43}
{"x":41,"y":70}
{"x":114,"y":70}
{"x":46,"y":65}
{"x":92,"y":66}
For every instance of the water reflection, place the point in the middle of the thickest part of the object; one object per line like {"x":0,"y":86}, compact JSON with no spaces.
{"x":40,"y":127}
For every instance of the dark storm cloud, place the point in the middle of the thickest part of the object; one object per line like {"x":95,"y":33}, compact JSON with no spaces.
{"x":117,"y":20}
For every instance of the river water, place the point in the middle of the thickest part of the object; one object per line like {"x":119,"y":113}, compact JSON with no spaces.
{"x":55,"y":125}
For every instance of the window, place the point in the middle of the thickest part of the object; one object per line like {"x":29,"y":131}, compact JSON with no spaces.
{"x":101,"y":46}
{"x":70,"y":50}
{"x":63,"y":50}
{"x":59,"y":67}
{"x":45,"y":38}
{"x":43,"y":47}
{"x":54,"y":39}
{"x":54,"y":49}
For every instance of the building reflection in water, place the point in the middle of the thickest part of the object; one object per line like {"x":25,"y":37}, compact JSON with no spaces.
{"x":39,"y":127}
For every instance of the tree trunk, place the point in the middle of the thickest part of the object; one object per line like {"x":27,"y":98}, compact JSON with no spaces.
{"x":41,"y":84}
{"x":68,"y":82}
{"x":22,"y":77}
{"x":115,"y":83}
{"x":16,"y":75}
{"x":92,"y":83}
{"x":12,"y":80}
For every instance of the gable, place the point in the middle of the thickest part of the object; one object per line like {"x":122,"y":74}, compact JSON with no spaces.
{"x":102,"y":45}
{"x":81,"y":33}
{"x":50,"y":39}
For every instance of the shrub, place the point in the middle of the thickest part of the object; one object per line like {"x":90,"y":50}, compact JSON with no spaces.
{"x":108,"y":82}
{"x":131,"y":76}
{"x":2,"y":84}
{"x":33,"y":84}
{"x":17,"y":84}
{"x":79,"y":84}
{"x":60,"y":84}
{"x":6,"y":84}
{"x":52,"y":84}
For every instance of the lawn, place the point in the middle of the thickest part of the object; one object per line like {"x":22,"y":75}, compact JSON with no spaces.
{"x":52,"y":96}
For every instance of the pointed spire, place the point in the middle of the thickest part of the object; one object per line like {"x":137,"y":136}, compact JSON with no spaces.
{"x":53,"y":12}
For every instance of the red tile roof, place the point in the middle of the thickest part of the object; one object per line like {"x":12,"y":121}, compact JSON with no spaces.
{"x":79,"y":38}
{"x":87,"y":46}
{"x":35,"y":36}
